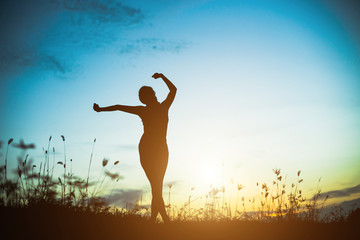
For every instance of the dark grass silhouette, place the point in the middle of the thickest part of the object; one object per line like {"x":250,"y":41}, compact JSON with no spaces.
{"x":153,"y":148}
{"x":48,"y":222}
{"x":35,"y":204}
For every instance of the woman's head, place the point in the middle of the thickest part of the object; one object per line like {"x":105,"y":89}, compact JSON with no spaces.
{"x":147,"y":95}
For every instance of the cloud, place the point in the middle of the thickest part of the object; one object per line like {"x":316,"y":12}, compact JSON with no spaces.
{"x":342,"y":192}
{"x":122,"y":197}
{"x":106,"y":11}
{"x":346,"y":206}
{"x":127,"y":146}
{"x":53,"y":34}
{"x":152,"y":44}
{"x":350,"y":205}
{"x":54,"y":64}
{"x":90,"y":24}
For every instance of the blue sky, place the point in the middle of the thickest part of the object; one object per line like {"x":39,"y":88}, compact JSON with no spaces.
{"x":262,"y":85}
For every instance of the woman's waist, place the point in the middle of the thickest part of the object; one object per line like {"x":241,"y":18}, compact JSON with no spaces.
{"x":153,"y":138}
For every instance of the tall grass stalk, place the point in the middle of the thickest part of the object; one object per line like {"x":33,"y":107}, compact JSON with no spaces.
{"x":48,"y":153}
{"x":91,"y":156}
{"x":64,"y":184}
{"x":53,"y":165}
{"x":112,"y":189}
{"x":7,"y":150}
{"x":104,"y":163}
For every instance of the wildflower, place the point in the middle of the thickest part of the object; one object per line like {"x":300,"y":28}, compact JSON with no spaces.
{"x":113,"y":175}
{"x":63,"y":138}
{"x":276,"y":171}
{"x":298,"y":173}
{"x":239,"y":187}
{"x":214,"y":191}
{"x":105,"y":162}
{"x":24,"y":163}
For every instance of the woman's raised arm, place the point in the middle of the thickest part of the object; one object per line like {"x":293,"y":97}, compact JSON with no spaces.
{"x":129,"y":109}
{"x":170,"y":98}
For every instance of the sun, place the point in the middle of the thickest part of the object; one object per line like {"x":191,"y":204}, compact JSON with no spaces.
{"x":210,"y":175}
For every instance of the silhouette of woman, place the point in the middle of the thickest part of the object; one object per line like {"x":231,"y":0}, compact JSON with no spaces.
{"x":153,"y":148}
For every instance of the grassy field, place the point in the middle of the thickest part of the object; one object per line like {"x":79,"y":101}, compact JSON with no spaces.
{"x":59,"y":222}
{"x":38,"y":204}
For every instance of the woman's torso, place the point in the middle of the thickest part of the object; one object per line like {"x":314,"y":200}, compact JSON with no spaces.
{"x":155,"y":120}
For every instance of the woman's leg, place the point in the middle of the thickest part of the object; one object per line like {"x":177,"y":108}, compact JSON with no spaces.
{"x":156,"y":180}
{"x":163,"y":166}
{"x":157,"y":203}
{"x":154,"y":162}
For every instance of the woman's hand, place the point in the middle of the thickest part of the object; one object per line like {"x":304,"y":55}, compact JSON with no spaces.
{"x":157,"y":75}
{"x":96,"y":108}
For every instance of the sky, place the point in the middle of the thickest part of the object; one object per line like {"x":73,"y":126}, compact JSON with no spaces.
{"x":261,"y":85}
